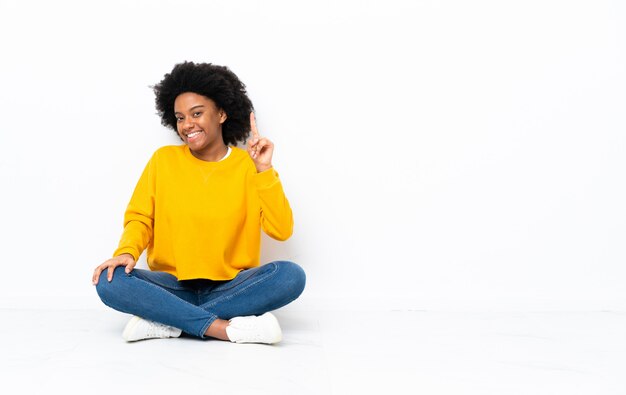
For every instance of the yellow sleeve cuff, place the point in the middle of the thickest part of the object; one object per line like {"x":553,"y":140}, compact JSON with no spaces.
{"x":267,"y":179}
{"x":126,"y":250}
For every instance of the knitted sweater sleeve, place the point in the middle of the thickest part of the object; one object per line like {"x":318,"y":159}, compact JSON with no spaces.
{"x":276,"y":215}
{"x":139,"y":215}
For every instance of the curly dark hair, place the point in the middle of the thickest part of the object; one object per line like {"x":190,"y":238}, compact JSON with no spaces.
{"x":217,"y":83}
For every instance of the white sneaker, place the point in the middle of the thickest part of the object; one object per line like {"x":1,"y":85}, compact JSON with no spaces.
{"x":139,"y":329}
{"x":254,"y":329}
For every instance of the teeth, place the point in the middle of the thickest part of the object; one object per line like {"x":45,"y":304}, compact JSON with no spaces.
{"x":194,"y":134}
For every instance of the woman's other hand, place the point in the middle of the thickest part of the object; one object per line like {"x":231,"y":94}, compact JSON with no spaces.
{"x":110,"y":265}
{"x":259,"y":148}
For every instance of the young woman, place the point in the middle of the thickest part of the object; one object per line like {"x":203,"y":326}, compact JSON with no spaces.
{"x":199,"y":209}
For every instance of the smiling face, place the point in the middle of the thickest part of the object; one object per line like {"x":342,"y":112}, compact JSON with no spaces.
{"x":199,"y":124}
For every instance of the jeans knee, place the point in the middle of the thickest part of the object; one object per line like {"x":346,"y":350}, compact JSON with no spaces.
{"x":294,"y":278}
{"x":105,"y":289}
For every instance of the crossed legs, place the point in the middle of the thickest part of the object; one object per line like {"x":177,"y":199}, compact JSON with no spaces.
{"x":202,"y":308}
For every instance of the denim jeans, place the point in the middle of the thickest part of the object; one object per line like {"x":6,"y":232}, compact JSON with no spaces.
{"x":193,"y":305}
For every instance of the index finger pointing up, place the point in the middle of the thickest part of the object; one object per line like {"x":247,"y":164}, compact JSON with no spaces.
{"x":253,"y":129}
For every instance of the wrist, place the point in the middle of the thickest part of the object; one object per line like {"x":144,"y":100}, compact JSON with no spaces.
{"x":262,"y":168}
{"x":128,"y":254}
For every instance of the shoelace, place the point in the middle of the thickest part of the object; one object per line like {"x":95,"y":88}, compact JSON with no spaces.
{"x":250,"y":326}
{"x":157,"y":329}
{"x":245,"y":323}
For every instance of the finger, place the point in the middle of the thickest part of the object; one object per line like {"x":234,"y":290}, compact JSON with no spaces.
{"x":257,"y":149}
{"x":253,"y":129}
{"x":251,"y":146}
{"x":263,"y":142}
{"x":110,"y":273}
{"x":262,"y":145}
{"x":254,"y":147}
{"x":129,"y":267}
{"x":96,"y":274}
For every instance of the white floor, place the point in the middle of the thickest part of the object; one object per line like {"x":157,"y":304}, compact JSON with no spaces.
{"x":390,"y":352}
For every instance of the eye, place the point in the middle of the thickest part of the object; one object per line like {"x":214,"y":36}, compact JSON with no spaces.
{"x":179,"y":119}
{"x":197,"y":114}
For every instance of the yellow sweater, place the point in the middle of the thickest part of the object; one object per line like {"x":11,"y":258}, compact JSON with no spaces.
{"x":203,"y":219}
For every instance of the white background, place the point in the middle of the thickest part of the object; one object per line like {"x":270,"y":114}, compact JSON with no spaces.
{"x":437,"y":154}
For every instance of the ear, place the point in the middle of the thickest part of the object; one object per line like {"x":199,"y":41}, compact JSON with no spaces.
{"x":223,"y":116}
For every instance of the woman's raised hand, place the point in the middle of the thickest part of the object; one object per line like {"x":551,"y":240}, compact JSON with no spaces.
{"x":259,"y":148}
{"x":120,"y":260}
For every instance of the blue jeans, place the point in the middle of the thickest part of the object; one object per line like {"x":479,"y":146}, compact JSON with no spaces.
{"x":193,"y":305}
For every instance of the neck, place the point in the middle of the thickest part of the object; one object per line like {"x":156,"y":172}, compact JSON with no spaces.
{"x":211,"y":154}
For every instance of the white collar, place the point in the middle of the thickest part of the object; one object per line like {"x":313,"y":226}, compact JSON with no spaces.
{"x":227,"y":154}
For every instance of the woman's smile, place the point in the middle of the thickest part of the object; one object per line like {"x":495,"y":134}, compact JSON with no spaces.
{"x":193,"y":135}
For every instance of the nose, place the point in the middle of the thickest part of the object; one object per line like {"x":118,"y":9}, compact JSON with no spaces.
{"x":188,"y":124}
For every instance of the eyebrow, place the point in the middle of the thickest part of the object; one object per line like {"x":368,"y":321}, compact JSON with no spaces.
{"x":192,"y":108}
